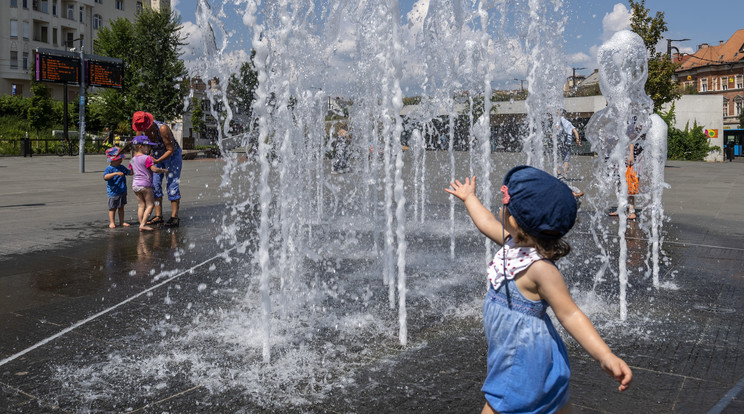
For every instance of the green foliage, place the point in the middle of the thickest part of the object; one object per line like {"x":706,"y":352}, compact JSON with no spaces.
{"x":242,"y":87}
{"x":659,"y":86}
{"x":413,"y":100}
{"x":153,"y":72}
{"x":13,"y":105}
{"x":39,"y":113}
{"x":688,"y":144}
{"x":197,"y":116}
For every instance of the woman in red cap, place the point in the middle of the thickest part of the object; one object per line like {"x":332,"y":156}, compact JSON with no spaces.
{"x":167,"y":155}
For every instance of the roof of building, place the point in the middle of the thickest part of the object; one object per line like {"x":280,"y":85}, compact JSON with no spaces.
{"x":731,"y":51}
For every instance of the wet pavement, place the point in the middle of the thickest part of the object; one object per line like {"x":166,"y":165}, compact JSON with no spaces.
{"x":91,"y":316}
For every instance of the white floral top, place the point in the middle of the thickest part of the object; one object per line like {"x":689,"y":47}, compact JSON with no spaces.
{"x":509,"y":261}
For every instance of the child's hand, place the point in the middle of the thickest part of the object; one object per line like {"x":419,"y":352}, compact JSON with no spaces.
{"x":460,"y":190}
{"x":618,"y":369}
{"x":119,"y":173}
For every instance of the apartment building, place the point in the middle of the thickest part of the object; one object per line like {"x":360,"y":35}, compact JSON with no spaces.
{"x":26,"y":25}
{"x":718,"y":70}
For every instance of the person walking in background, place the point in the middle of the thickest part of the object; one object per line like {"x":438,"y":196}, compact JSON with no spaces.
{"x":143,"y":168}
{"x":166,"y":154}
{"x":340,"y":162}
{"x":528,"y":369}
{"x":116,"y":185}
{"x":109,"y":141}
{"x":565,"y":134}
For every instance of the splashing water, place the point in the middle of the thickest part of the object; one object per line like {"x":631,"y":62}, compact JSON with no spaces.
{"x":326,"y":267}
{"x":628,"y":120}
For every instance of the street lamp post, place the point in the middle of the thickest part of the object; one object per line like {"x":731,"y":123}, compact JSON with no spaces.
{"x":670,"y":47}
{"x":521,"y":84}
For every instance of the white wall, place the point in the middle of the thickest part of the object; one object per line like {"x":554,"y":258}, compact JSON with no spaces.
{"x":707,"y":111}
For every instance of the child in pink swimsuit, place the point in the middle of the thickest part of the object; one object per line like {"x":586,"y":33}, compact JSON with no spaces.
{"x":143,"y":167}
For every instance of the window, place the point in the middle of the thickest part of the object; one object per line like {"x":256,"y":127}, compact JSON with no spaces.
{"x":82,"y":14}
{"x":14,"y":60}
{"x":13,"y":29}
{"x":54,"y":7}
{"x":703,"y":85}
{"x":44,"y":6}
{"x":16,"y":89}
{"x":25,"y":30}
{"x":13,"y":3}
{"x":25,"y":4}
{"x":54,"y":36}
{"x":71,"y":11}
{"x":119,"y":4}
{"x":725,"y":109}
{"x":739,"y":81}
{"x":738,"y":108}
{"x":724,"y":83}
{"x":139,"y":7}
{"x":97,"y":21}
{"x":44,"y":34}
{"x":99,"y":1}
{"x":25,"y":61}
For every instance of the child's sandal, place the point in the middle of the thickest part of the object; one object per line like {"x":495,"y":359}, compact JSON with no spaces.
{"x":155,"y":221}
{"x":173,"y":222}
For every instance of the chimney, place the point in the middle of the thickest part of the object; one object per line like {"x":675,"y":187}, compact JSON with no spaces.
{"x":702,"y":46}
{"x":720,"y":42}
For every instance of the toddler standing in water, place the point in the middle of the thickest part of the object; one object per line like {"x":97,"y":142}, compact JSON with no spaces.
{"x":115,"y":176}
{"x":143,"y":166}
{"x":528,"y":367}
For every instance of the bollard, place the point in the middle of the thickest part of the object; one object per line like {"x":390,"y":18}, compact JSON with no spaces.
{"x":26,"y":150}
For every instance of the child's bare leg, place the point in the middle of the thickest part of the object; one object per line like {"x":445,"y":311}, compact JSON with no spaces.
{"x":488,"y":410}
{"x":149,"y":203}
{"x":141,"y":207}
{"x":566,"y":409}
{"x":111,"y":218}
{"x":121,"y":217}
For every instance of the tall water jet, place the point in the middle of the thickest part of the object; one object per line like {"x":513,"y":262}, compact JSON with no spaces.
{"x":627,"y":120}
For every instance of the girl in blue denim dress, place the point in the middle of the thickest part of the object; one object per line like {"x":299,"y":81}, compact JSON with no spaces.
{"x":528,"y":367}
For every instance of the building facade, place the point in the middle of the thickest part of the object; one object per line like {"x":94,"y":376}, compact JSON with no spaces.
{"x":27,"y":25}
{"x":718,"y":70}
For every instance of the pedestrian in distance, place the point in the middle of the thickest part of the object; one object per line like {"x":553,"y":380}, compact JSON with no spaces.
{"x":528,"y":369}
{"x":565,"y":134}
{"x":116,"y":186}
{"x":166,"y":154}
{"x":144,"y":169}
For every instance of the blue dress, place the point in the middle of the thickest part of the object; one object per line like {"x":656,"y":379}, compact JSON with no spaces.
{"x":528,"y":368}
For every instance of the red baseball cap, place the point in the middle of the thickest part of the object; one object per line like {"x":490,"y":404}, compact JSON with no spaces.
{"x":141,"y":121}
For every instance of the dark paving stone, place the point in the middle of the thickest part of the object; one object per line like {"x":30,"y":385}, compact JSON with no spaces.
{"x":10,"y":398}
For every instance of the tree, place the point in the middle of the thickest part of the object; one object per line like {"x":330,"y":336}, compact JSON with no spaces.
{"x":40,"y":110}
{"x":243,"y":86}
{"x":197,"y":115}
{"x":741,"y":119}
{"x":660,"y":86}
{"x":154,"y":74}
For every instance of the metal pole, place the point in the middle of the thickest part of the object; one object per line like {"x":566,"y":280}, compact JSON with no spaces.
{"x":82,"y":107}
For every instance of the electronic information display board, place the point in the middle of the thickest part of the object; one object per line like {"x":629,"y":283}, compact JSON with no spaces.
{"x":59,"y":69}
{"x":104,"y":74}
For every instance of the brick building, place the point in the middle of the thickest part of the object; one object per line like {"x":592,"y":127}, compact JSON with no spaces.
{"x":718,"y":70}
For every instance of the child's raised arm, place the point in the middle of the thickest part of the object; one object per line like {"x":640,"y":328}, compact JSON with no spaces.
{"x":552,"y":288}
{"x":486,"y":222}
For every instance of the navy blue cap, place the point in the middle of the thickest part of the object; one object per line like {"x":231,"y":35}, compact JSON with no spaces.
{"x":542,"y":205}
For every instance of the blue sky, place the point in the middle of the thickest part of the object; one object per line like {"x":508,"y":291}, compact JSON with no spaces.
{"x":588,"y":24}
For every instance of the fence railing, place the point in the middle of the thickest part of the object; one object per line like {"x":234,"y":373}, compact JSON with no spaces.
{"x":47,"y":146}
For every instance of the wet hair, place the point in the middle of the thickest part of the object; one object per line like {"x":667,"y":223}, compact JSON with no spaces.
{"x":552,"y":249}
